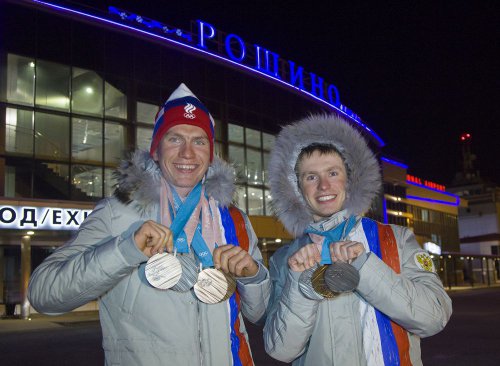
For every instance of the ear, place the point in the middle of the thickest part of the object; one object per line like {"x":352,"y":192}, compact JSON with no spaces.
{"x":155,"y":155}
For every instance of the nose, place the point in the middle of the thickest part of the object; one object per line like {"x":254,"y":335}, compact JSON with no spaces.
{"x":324,"y":183}
{"x":186,"y":151}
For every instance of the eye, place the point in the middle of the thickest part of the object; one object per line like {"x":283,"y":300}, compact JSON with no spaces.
{"x":174,"y":139}
{"x":310,"y":177}
{"x":333,"y":173}
{"x":201,"y":142}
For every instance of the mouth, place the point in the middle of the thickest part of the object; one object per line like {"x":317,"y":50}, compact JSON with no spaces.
{"x":326,"y":198}
{"x":185,"y":168}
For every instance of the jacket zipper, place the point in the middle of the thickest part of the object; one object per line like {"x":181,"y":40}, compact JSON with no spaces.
{"x":199,"y":333}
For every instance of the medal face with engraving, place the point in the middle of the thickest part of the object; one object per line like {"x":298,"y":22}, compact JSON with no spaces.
{"x":319,"y":285}
{"x":305,"y":285}
{"x":163,"y":270}
{"x":189,"y":273}
{"x":341,"y":277}
{"x":214,"y":286}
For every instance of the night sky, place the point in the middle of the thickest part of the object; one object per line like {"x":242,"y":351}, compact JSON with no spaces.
{"x":419,"y":73}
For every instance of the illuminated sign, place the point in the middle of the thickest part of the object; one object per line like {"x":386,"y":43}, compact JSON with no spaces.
{"x":41,"y":218}
{"x":426,"y":183}
{"x":233,"y":49}
{"x":432,"y":248}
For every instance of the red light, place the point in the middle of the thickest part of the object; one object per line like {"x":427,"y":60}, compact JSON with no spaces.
{"x":465,"y":136}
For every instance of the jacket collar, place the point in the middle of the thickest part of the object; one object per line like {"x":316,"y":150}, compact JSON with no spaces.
{"x":138,"y":181}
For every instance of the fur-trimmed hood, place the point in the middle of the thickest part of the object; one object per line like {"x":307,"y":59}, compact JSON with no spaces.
{"x":364,"y":179}
{"x":139,"y":181}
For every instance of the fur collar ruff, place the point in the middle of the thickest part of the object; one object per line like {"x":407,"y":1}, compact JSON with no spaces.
{"x":364,"y":179}
{"x":138,"y":182}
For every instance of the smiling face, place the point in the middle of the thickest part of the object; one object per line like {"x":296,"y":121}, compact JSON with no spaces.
{"x":183,"y":156}
{"x":322,"y":180}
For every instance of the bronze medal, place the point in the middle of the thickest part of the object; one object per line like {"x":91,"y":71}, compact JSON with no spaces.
{"x":163,"y":270}
{"x":341,"y":277}
{"x":214,"y":286}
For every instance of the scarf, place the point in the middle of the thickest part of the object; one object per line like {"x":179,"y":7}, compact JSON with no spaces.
{"x":195,"y":222}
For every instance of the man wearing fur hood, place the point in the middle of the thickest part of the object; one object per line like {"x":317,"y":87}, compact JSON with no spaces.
{"x":323,"y":177}
{"x":154,"y":306}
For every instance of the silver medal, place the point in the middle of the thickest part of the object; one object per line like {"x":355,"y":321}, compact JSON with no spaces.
{"x":163,"y":270}
{"x":341,"y":277}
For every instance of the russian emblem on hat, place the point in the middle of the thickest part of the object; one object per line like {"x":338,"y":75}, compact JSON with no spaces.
{"x":182,"y":107}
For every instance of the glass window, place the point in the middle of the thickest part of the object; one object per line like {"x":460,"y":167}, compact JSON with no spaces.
{"x":18,"y":180}
{"x":267,"y":141}
{"x":87,"y":182}
{"x":255,"y":201}
{"x":425,"y":215}
{"x":19,"y":131}
{"x":235,"y":133}
{"x":218,"y":129}
{"x":52,"y":85}
{"x":87,"y":141}
{"x":267,"y":200}
{"x":253,"y":137}
{"x":266,"y":156}
{"x":114,"y":143}
{"x":109,"y":182}
{"x":218,"y":148}
{"x":241,"y":198}
{"x":237,"y":158}
{"x":146,"y":113}
{"x":51,"y":136}
{"x":51,"y":181}
{"x":20,"y":79}
{"x":144,"y":137}
{"x":254,"y":166}
{"x":10,"y":181}
{"x":86,"y":94}
{"x":115,"y":102}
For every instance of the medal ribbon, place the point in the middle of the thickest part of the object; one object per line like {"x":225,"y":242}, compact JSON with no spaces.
{"x":186,"y":226}
{"x":324,"y":238}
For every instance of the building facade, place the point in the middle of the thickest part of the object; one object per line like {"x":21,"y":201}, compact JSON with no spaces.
{"x":80,"y":87}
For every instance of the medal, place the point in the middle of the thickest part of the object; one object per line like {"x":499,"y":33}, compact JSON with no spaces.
{"x":189,"y":274}
{"x":306,"y":286}
{"x":214,"y":286}
{"x":319,"y":285}
{"x":163,"y":270}
{"x":341,"y":277}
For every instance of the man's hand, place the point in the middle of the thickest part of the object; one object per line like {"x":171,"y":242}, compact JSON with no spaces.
{"x":152,"y":238}
{"x":346,"y":251}
{"x":304,"y":258}
{"x":234,"y":260}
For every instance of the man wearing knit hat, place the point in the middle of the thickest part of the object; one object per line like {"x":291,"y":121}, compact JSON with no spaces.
{"x":348,"y":290}
{"x":165,"y":254}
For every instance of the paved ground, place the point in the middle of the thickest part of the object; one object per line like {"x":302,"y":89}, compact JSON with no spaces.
{"x":471,"y":338}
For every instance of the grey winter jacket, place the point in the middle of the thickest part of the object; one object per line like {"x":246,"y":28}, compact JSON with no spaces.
{"x":141,"y":325}
{"x":329,"y":332}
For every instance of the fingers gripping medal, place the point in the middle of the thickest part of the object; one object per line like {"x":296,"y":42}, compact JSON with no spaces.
{"x":163,"y":270}
{"x":343,"y":276}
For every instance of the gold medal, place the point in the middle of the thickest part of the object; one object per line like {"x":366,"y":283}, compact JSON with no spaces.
{"x":214,"y":286}
{"x":319,"y":284}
